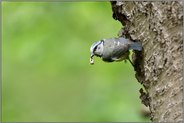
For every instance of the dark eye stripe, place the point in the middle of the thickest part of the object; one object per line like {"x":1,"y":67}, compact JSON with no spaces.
{"x":95,"y":48}
{"x":98,"y":43}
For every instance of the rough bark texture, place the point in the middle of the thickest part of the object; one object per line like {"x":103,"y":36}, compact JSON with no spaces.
{"x":159,"y":67}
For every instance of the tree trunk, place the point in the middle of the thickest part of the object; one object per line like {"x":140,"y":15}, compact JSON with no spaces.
{"x":158,"y":26}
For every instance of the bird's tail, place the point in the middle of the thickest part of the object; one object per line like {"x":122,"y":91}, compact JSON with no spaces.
{"x":136,"y":46}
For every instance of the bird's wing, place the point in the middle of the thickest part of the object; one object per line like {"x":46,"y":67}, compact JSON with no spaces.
{"x":120,"y":48}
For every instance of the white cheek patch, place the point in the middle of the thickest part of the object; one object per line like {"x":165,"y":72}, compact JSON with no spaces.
{"x":99,"y":50}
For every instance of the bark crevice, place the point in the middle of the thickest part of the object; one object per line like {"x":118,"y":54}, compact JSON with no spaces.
{"x":158,"y":26}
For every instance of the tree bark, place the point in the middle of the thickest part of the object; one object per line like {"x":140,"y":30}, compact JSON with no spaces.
{"x":159,"y":67}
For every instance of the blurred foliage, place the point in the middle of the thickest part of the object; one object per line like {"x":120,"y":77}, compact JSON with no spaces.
{"x":46,"y":70}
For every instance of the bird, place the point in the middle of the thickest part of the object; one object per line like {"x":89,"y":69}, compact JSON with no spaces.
{"x":113,"y":49}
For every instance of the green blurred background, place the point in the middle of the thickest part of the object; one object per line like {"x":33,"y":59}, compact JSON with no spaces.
{"x":46,"y":70}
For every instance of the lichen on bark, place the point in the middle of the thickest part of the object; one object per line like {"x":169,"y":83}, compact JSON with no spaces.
{"x":159,"y":67}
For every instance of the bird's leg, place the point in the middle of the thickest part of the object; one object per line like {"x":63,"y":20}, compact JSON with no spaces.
{"x":130,"y":61}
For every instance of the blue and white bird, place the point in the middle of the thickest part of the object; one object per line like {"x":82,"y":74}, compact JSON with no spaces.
{"x":113,"y":49}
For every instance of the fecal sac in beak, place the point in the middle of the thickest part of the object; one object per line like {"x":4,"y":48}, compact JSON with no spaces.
{"x":91,"y":60}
